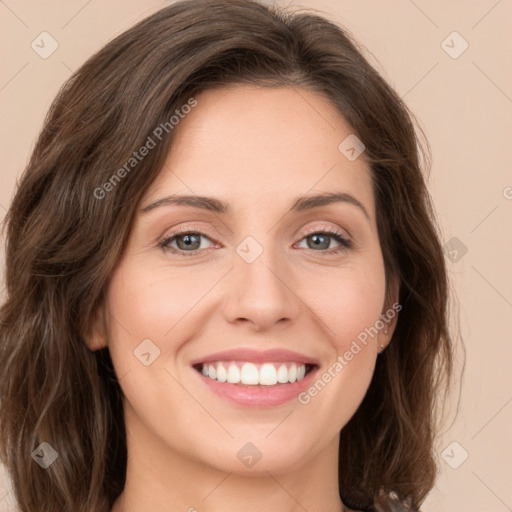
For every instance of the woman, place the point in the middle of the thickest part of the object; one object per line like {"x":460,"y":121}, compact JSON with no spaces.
{"x":225,"y":287}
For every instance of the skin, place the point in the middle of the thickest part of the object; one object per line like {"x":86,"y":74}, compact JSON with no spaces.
{"x":258,"y":149}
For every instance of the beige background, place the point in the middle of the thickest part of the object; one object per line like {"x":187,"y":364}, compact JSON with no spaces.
{"x":464,"y":104}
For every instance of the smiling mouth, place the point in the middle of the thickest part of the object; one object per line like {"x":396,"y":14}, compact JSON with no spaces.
{"x":254,"y":374}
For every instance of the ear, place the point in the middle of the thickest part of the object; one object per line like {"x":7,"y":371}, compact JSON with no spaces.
{"x":389,"y":315}
{"x":96,"y":336}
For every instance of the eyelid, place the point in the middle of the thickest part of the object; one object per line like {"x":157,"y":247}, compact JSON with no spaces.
{"x":330,"y":229}
{"x":169,"y":233}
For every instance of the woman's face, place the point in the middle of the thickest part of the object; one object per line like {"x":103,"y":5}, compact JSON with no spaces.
{"x":282,"y":283}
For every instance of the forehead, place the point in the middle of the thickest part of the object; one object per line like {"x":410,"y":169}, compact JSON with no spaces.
{"x":259,"y":147}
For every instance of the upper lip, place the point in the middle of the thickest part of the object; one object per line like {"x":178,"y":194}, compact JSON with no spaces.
{"x":256,"y":356}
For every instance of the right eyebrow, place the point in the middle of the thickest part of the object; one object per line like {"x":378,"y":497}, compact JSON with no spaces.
{"x":203,"y":202}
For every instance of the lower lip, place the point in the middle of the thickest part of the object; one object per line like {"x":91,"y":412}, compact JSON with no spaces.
{"x":258,"y":396}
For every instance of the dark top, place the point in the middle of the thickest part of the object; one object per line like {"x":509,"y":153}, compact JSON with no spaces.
{"x":384,"y":503}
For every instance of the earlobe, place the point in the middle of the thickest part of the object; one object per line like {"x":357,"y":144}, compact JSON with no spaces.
{"x":389,"y":315}
{"x":96,"y":337}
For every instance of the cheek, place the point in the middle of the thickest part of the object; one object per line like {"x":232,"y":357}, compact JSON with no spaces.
{"x":153,"y":313}
{"x":349,"y":308}
{"x":348,"y":301}
{"x":151,"y":303}
{"x":138,"y":321}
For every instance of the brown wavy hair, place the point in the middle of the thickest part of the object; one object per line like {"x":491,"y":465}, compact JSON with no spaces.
{"x":63,"y":241}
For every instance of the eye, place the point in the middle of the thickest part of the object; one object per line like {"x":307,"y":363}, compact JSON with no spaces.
{"x":187,"y":242}
{"x":319,"y":240}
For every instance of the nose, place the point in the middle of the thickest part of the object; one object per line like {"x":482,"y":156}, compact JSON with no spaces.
{"x":261,"y":294}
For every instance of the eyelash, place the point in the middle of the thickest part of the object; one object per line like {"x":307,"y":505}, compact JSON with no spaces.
{"x":344,"y":242}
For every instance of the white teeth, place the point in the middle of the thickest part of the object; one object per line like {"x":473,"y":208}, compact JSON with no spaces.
{"x":292,"y":373}
{"x":250,"y":374}
{"x":282,"y":374}
{"x":233,"y":374}
{"x":222,"y":374}
{"x":268,"y":375}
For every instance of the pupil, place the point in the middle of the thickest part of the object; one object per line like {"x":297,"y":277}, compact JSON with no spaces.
{"x":317,"y":240}
{"x":188,"y":240}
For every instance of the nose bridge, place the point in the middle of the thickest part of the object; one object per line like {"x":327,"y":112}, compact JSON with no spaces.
{"x":260,"y":287}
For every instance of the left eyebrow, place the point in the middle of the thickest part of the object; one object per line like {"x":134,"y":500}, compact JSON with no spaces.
{"x":218,"y":206}
{"x":309,"y":202}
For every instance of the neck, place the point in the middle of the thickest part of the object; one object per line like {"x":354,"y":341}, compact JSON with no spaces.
{"x":162,"y":479}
